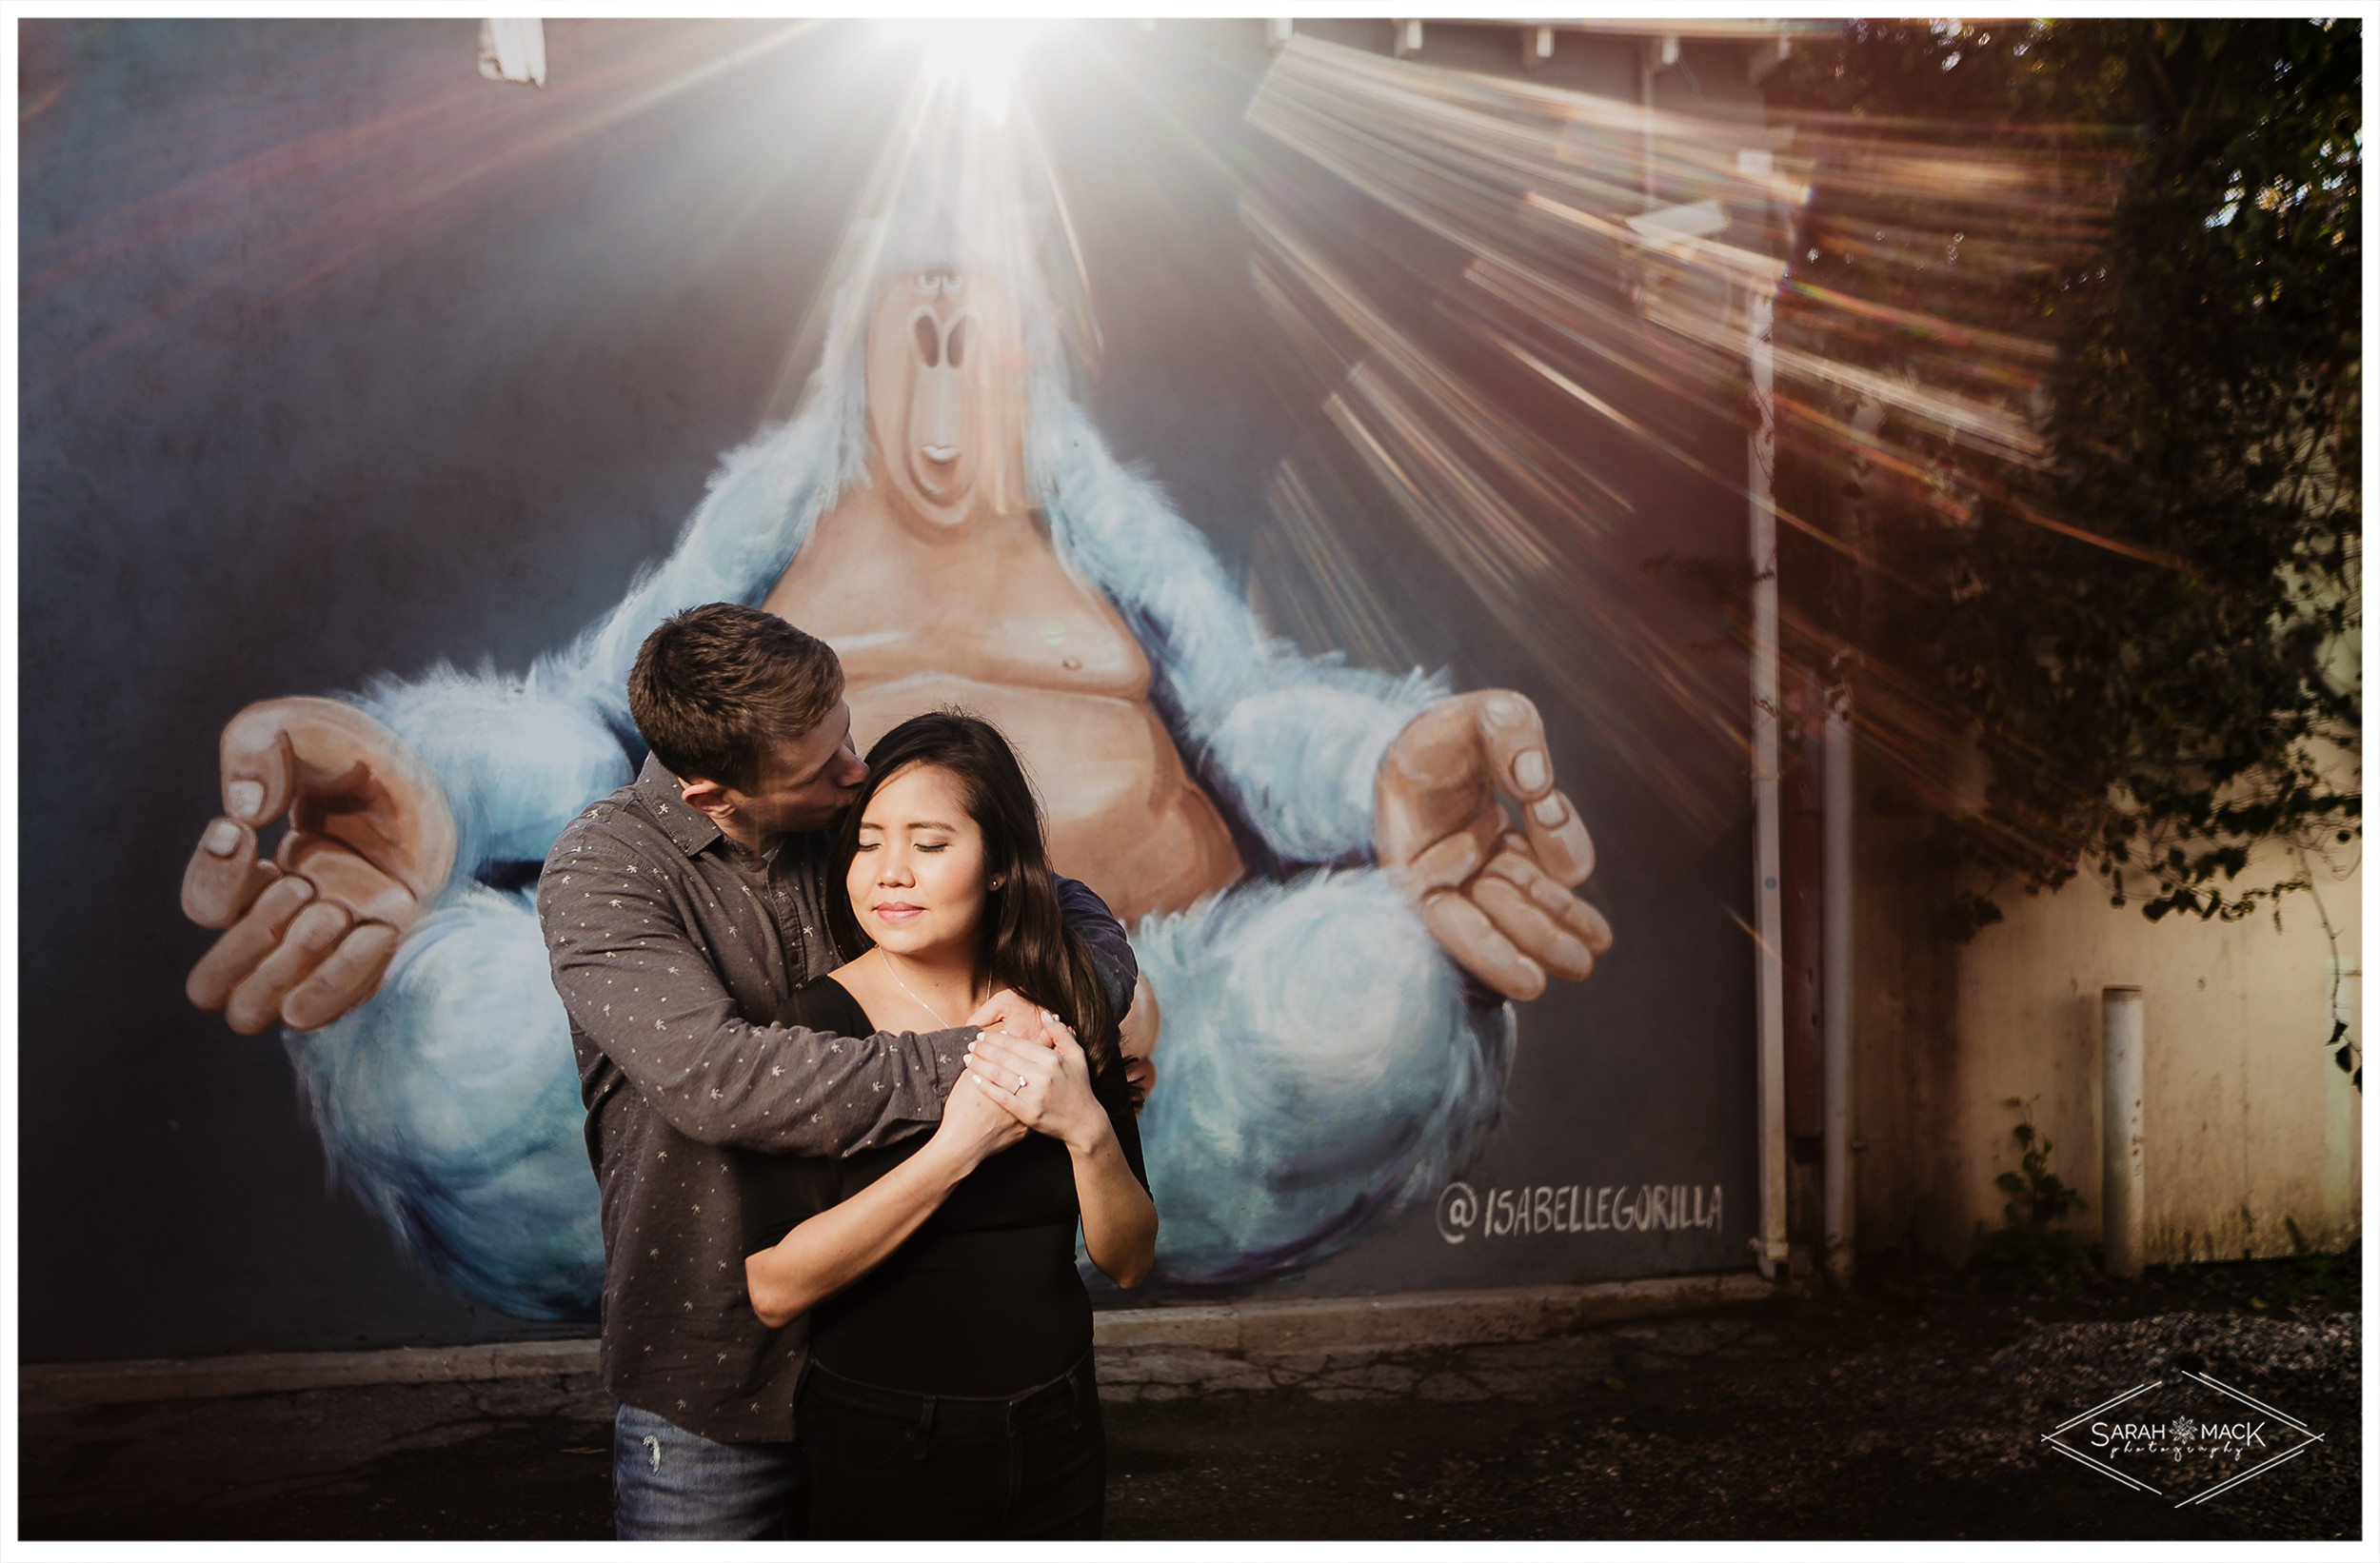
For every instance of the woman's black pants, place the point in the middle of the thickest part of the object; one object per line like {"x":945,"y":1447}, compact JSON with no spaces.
{"x":886,"y":1463}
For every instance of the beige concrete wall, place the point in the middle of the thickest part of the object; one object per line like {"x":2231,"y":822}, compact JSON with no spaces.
{"x":2249,"y":1125}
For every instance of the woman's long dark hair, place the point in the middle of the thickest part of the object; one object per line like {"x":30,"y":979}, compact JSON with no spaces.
{"x":1023,"y":943}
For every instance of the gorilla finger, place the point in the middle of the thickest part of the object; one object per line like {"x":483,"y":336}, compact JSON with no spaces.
{"x":1532,"y":932}
{"x":1559,"y":837}
{"x":257,"y":763}
{"x":1584,"y":922}
{"x":1588,"y":923}
{"x":1471,"y":939}
{"x":224,"y":875}
{"x":1514,"y":736}
{"x":253,"y":937}
{"x":347,"y":976}
{"x":256,"y":1003}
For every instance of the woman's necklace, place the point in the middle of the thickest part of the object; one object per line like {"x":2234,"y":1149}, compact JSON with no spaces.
{"x":905,"y":988}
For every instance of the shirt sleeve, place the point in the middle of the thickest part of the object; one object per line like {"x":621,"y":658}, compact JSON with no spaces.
{"x":1104,"y":937}
{"x":646,"y":994}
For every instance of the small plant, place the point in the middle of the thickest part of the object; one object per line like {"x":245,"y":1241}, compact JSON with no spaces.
{"x":2033,"y":1247}
{"x":2313,"y":1277}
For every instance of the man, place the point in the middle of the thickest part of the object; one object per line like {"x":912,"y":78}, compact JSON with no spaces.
{"x":679,"y":914}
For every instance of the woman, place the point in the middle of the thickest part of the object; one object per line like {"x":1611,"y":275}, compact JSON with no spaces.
{"x":950,"y":1390}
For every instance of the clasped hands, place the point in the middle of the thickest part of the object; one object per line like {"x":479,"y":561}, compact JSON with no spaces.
{"x":1024,"y":1072}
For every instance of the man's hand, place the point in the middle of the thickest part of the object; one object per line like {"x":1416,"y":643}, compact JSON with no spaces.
{"x":1015,"y":1014}
{"x":371,"y":842}
{"x":1498,"y":900}
{"x":979,"y":1122}
{"x":1047,"y":1085}
{"x":1139,"y":1030}
{"x":1020,"y":1017}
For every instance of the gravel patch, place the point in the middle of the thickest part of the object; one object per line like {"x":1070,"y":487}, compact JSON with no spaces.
{"x":1914,"y":1408}
{"x":1909,"y":1408}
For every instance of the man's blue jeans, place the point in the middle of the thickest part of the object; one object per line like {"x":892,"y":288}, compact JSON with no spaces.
{"x":670,"y":1485}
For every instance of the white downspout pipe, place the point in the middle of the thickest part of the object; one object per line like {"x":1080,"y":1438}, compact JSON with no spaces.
{"x":1770,"y":1248}
{"x":2122,"y":1202}
{"x":1835,"y":990}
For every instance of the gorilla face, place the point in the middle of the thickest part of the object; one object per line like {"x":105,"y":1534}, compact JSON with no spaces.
{"x":943,"y":389}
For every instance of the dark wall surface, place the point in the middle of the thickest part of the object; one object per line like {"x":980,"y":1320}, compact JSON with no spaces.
{"x":337,"y":359}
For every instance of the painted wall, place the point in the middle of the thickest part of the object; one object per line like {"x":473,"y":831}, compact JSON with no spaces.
{"x":2251,"y":1128}
{"x":342,"y":361}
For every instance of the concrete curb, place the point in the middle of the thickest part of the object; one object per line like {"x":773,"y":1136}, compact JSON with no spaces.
{"x":53,"y":1386}
{"x":1420,"y":1319}
{"x":1382,"y":1323}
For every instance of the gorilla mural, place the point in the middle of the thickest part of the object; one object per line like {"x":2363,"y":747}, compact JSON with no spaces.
{"x":1335,"y":1028}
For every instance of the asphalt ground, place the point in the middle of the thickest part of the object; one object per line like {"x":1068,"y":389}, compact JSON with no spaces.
{"x":1911,"y":1407}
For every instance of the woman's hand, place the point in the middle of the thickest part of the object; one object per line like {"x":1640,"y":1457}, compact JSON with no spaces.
{"x":978,"y":1123}
{"x":1046,"y":1085}
{"x":837,"y":1246}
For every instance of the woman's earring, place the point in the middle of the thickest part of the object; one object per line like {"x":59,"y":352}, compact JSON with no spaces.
{"x":995,"y":884}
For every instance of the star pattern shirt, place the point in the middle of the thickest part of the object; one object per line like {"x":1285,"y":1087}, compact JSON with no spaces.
{"x":674,"y":950}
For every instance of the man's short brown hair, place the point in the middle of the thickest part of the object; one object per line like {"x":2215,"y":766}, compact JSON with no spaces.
{"x":716,"y":689}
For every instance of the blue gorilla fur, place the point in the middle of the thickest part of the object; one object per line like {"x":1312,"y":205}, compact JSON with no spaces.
{"x":1320,"y":1069}
{"x":450,"y":1103}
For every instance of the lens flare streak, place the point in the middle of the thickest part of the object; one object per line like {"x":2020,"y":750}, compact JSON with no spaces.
{"x":1346,"y":612}
{"x":1539,"y":187}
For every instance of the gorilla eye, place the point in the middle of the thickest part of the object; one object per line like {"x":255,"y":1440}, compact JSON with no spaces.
{"x":958,"y":343}
{"x":930,"y":346}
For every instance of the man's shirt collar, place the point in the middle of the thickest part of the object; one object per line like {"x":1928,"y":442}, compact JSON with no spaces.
{"x":691,"y":829}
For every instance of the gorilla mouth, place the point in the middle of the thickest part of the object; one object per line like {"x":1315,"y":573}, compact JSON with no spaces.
{"x":935,"y":470}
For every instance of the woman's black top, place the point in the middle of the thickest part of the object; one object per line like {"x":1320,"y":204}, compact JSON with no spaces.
{"x":984,"y":1299}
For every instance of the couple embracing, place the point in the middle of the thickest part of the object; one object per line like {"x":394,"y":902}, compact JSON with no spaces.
{"x":849,"y":1052}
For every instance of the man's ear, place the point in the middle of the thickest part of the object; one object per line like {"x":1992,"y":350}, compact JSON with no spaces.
{"x":707,"y":797}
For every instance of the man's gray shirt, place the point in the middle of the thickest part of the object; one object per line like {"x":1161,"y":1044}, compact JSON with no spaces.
{"x":673,"y":950}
